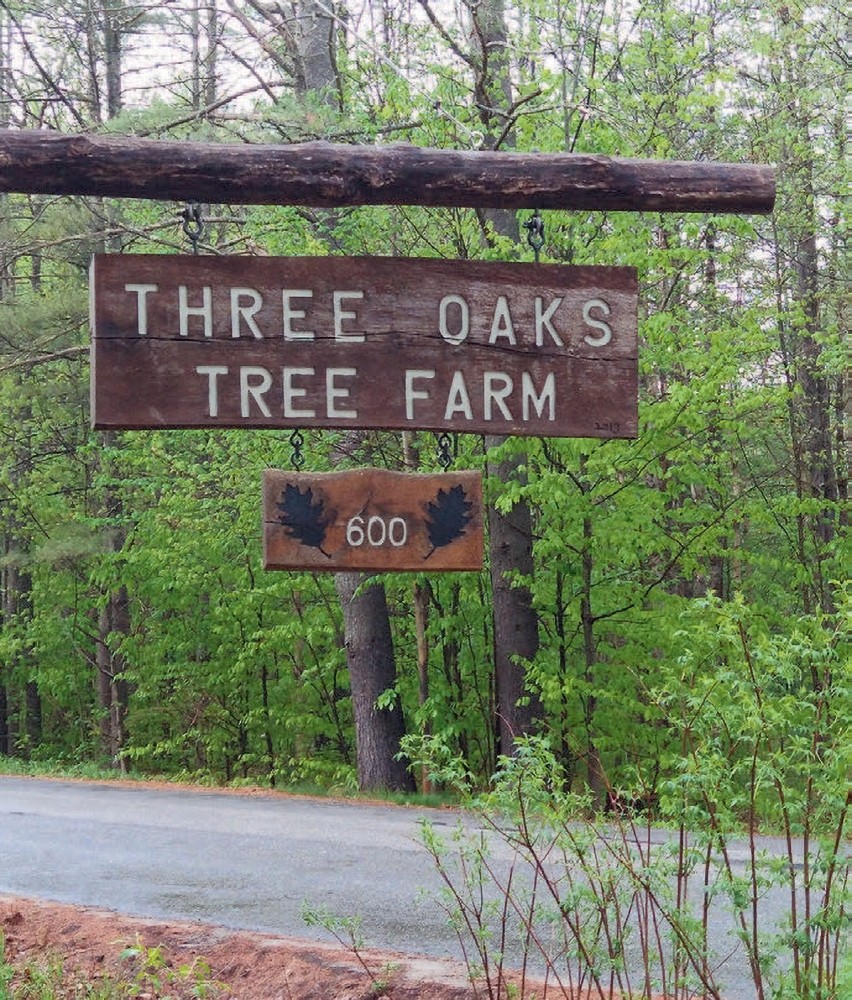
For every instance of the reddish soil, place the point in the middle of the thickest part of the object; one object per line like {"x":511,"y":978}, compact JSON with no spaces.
{"x":246,"y":966}
{"x":242,"y":966}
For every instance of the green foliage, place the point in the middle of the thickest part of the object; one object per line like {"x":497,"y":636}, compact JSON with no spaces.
{"x":760,"y":719}
{"x":346,"y":930}
{"x":616,"y":903}
{"x":149,"y":974}
{"x":693,"y":570}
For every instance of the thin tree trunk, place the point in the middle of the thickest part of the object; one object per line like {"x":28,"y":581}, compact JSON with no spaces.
{"x":515,"y":623}
{"x":209,"y":64}
{"x":267,"y":722}
{"x":17,"y":596}
{"x":7,"y":729}
{"x":5,"y":722}
{"x":17,"y":613}
{"x":421,"y":621}
{"x":103,"y":683}
{"x":112,"y":687}
{"x":112,"y":40}
{"x":597,"y":784}
{"x":113,"y":624}
{"x":120,"y":615}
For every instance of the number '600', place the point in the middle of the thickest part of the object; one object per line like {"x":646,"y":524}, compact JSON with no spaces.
{"x":376,"y":531}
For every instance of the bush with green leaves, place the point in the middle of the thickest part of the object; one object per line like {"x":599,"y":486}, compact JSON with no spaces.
{"x":740,"y":861}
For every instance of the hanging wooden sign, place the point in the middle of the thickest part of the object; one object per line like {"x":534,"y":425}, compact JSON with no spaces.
{"x":385,"y":343}
{"x":372,"y":519}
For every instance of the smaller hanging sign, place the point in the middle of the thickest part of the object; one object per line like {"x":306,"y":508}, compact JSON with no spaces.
{"x":372,"y":519}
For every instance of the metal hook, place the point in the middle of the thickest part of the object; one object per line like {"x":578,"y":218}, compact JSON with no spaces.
{"x":297,"y":458}
{"x":535,"y":233}
{"x":193,"y":224}
{"x":445,"y":455}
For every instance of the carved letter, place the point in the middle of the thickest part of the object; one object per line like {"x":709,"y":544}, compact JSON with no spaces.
{"x":542,"y":321}
{"x":212,"y":372}
{"x":411,"y":393}
{"x":458,"y":401}
{"x":606,"y":330}
{"x":141,"y":305}
{"x":464,"y":323}
{"x":290,"y":313}
{"x":254,"y":390}
{"x":205,"y":310}
{"x":247,"y":313}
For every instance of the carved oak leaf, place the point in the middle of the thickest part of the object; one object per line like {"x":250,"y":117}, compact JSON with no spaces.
{"x":304,"y":517}
{"x":448,"y":517}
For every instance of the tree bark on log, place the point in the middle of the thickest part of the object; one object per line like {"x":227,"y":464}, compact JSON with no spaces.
{"x":322,"y":174}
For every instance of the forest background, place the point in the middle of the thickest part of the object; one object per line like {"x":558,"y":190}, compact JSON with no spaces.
{"x":675,"y":605}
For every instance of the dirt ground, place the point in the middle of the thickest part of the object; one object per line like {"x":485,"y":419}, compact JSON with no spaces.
{"x":240,"y":966}
{"x":247,"y":966}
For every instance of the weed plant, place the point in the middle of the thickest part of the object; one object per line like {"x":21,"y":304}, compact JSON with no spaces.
{"x":672,"y":891}
{"x":149,"y":975}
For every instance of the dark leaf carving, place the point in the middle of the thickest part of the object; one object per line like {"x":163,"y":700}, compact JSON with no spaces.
{"x":448,"y":516}
{"x":303,"y":517}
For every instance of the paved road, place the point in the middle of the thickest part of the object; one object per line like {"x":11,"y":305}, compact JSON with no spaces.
{"x":247,"y":862}
{"x":242,"y":861}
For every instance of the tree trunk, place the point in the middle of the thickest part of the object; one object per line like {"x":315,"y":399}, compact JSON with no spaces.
{"x":112,"y":42}
{"x":421,"y":621}
{"x":5,"y":722}
{"x":7,"y":732}
{"x":203,"y":57}
{"x":113,"y":624}
{"x":515,"y":620}
{"x":209,"y":81}
{"x":366,"y":625}
{"x":17,"y":613}
{"x":811,"y":402}
{"x":112,"y":687}
{"x":17,"y":596}
{"x":316,"y":74}
{"x":515,"y":623}
{"x":372,"y":672}
{"x":596,"y":779}
{"x":195,"y":57}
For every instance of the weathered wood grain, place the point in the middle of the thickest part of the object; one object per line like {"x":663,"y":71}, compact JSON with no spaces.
{"x":358,"y":343}
{"x":326,"y":175}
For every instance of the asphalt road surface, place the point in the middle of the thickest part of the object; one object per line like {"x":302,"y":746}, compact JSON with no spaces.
{"x":244,"y":861}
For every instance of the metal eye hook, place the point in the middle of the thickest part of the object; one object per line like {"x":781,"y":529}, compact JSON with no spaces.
{"x":193,"y":224}
{"x":535,"y":233}
{"x":297,"y":457}
{"x":445,"y":455}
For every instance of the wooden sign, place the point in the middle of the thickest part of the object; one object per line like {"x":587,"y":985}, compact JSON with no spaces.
{"x":372,"y":519}
{"x":471,"y":346}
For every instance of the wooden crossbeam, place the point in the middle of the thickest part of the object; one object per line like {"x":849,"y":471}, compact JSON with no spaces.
{"x":326,"y":175}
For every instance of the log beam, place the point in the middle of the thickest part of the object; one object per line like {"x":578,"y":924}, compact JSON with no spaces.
{"x":325,"y":175}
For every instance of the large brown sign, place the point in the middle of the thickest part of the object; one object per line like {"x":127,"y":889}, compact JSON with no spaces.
{"x":473,"y":346}
{"x":372,"y":519}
